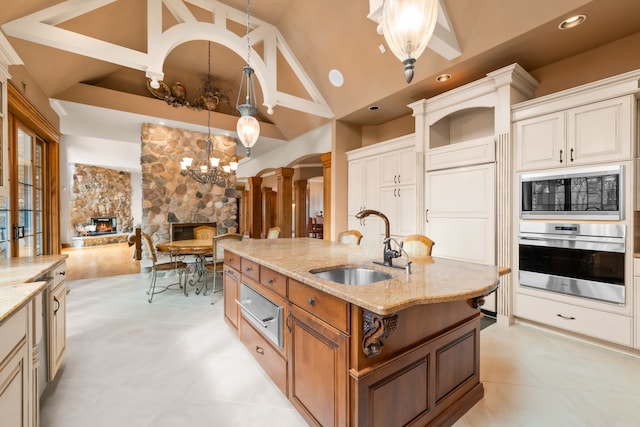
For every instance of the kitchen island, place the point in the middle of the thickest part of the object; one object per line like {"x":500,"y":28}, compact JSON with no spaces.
{"x":395,"y":352}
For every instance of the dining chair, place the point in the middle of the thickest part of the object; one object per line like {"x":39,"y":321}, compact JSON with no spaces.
{"x":172,"y":265}
{"x":273,"y":233}
{"x":204,"y":232}
{"x":217,"y":260}
{"x":417,"y":245}
{"x":350,"y":237}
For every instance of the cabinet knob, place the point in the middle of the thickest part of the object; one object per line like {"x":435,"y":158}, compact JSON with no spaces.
{"x":247,"y":269}
{"x":270,"y":281}
{"x":560,"y":156}
{"x":259,"y":350}
{"x":571,"y":155}
{"x":311,"y":301}
{"x":61,"y":273}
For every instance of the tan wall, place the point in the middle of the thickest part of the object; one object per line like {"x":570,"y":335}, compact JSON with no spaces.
{"x":392,"y":129}
{"x":22,"y":81}
{"x":608,"y":60}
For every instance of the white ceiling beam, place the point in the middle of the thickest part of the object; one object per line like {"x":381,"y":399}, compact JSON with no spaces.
{"x":40,"y":27}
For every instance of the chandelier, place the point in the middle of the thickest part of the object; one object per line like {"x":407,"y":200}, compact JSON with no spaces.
{"x":407,"y":26}
{"x":248,"y":127}
{"x":209,"y":171}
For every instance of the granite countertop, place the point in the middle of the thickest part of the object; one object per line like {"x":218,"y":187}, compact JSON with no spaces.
{"x":433,"y":280}
{"x":18,"y":280}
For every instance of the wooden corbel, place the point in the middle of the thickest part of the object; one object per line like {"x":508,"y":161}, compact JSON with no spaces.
{"x":375,"y":328}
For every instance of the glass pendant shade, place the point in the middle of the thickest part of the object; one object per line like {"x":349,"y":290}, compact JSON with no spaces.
{"x":407,"y":26}
{"x":248,"y":131}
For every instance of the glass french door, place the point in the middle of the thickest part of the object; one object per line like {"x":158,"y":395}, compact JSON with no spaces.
{"x":26,"y":211}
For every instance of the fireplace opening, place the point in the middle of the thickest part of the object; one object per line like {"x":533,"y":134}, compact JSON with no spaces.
{"x":104,"y":225}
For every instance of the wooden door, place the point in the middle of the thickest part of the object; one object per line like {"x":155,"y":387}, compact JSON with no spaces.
{"x":317,"y":369}
{"x":231,"y":284}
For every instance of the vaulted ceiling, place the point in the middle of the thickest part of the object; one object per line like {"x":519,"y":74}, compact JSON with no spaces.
{"x":321,"y":36}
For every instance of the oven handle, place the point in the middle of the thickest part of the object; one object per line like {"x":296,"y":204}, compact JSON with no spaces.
{"x":261,"y":322}
{"x":608,"y":244}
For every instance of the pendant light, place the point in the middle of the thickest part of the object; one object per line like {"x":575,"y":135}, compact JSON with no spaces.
{"x":248,"y":127}
{"x":407,"y":26}
{"x":209,"y":170}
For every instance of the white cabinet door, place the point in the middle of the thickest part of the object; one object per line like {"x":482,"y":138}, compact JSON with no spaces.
{"x":599,"y":132}
{"x":539,"y":142}
{"x":15,"y":367}
{"x":460,"y":215}
{"x":399,"y":204}
{"x":636,"y":282}
{"x":372,"y":230}
{"x":57,"y":327}
{"x":398,"y":167}
{"x":364,"y":184}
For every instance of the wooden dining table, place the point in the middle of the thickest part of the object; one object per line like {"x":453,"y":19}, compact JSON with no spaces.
{"x":199,"y":248}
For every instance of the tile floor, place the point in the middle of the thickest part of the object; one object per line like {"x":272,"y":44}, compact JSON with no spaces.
{"x":175,"y":363}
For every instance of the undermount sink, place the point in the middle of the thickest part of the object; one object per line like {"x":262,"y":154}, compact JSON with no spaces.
{"x":352,"y":275}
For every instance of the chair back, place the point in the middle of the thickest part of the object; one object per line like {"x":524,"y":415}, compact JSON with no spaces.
{"x":273,"y":233}
{"x":417,"y":245}
{"x":150,"y":248}
{"x":218,"y":251}
{"x":204,"y":232}
{"x":350,"y":237}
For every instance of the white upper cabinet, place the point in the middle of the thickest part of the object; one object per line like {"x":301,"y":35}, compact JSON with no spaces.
{"x":382,"y":177}
{"x":399,"y":167}
{"x":600,"y":132}
{"x":592,"y":133}
{"x":540,"y":142}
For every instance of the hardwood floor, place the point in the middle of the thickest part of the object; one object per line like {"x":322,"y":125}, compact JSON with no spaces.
{"x":100,"y":261}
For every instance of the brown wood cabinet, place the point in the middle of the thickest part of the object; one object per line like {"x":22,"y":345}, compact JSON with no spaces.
{"x":318,"y":356}
{"x":231,"y":291}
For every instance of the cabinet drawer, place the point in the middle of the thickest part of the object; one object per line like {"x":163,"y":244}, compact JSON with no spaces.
{"x":274,"y":365}
{"x":594,"y":323}
{"x":12,"y":331}
{"x":250,"y":269}
{"x":274,"y":281}
{"x":327,"y":307}
{"x":59,"y":274}
{"x":232,"y":260}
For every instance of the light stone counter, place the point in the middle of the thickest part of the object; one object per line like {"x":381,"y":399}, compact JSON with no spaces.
{"x":434,"y":281}
{"x":17,"y":280}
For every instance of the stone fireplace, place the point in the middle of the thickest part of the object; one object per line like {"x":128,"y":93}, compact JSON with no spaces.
{"x":169,"y":197}
{"x":100,"y":203}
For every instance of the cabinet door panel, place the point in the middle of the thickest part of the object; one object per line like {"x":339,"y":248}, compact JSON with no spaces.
{"x":57,"y":328}
{"x":356,"y":186}
{"x":599,"y":132}
{"x":318,"y":370}
{"x":231,"y":283}
{"x":372,"y":231}
{"x":461,"y":213}
{"x":539,"y":142}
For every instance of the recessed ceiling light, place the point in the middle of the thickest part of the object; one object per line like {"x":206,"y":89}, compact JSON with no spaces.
{"x":336,"y":78}
{"x":374,"y":107}
{"x":572,"y":22}
{"x":443,"y":77}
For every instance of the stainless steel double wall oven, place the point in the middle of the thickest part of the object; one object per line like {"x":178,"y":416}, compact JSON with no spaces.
{"x":576,"y":244}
